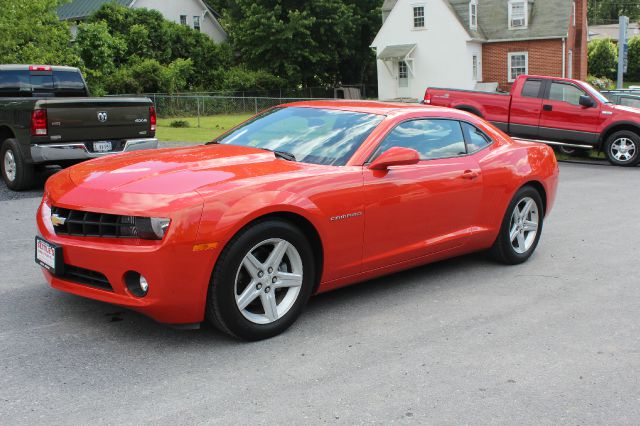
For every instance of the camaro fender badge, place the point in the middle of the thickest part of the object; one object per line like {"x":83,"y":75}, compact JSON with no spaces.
{"x":102,"y":116}
{"x":346,"y":216}
{"x":58,"y":220}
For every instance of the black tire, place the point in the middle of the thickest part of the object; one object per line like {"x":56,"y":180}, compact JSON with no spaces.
{"x":222,"y":310}
{"x":631,"y":156}
{"x":22,"y":175}
{"x":503,"y":249}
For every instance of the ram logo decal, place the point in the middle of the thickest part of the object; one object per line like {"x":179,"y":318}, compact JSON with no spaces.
{"x":102,"y":116}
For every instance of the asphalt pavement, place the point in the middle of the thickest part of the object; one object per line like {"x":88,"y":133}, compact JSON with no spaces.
{"x":465,"y":341}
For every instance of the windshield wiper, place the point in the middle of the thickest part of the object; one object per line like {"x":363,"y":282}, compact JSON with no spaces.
{"x":285,"y":155}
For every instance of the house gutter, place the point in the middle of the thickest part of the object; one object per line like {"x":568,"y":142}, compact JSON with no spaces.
{"x":564,"y":47}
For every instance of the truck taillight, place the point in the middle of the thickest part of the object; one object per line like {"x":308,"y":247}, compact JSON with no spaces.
{"x":427,"y":97}
{"x":152,"y":118}
{"x":40,"y":68}
{"x":39,"y":122}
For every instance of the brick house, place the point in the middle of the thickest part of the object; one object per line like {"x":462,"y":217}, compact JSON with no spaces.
{"x":463,"y":43}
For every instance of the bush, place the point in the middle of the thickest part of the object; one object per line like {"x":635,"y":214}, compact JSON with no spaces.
{"x":633,"y":69}
{"x":179,"y":123}
{"x":603,"y":58}
{"x":600,"y":83}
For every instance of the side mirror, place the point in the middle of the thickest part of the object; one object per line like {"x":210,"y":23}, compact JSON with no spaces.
{"x":586,"y":101}
{"x":395,"y":156}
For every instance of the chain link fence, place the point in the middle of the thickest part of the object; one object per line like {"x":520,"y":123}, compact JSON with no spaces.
{"x":203,"y":106}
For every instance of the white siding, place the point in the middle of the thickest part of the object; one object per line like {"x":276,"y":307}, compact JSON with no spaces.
{"x":172,"y":10}
{"x":443,"y":54}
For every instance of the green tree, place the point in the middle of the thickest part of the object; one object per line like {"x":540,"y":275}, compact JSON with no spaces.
{"x":304,"y":42}
{"x":607,"y":11}
{"x":30,"y":32}
{"x":633,"y":69}
{"x":603,"y":58}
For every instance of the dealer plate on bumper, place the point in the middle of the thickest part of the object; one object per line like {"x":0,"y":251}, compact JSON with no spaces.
{"x":102,"y":146}
{"x":49,"y":256}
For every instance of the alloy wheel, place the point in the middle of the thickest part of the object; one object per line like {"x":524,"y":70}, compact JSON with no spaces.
{"x":268,"y":281}
{"x":10,"y":165}
{"x":623,"y":149}
{"x":523,"y":226}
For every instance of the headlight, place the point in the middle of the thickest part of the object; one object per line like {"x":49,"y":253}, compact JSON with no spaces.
{"x":151,"y":228}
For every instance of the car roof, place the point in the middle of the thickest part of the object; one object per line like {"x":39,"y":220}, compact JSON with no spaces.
{"x":368,"y":107}
{"x":22,"y":67}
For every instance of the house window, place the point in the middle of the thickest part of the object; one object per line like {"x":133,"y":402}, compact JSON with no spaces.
{"x":418,"y":17}
{"x":403,"y":74}
{"x":473,"y":14}
{"x":183,"y":19}
{"x":196,"y":23}
{"x":573,"y":12}
{"x":474,"y":59}
{"x":518,"y":65}
{"x":517,"y":14}
{"x":403,"y":71}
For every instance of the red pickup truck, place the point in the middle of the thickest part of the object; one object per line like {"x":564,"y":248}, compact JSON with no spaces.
{"x":558,"y":111}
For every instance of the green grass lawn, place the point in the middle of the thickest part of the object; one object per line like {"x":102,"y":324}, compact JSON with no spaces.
{"x":210,"y":127}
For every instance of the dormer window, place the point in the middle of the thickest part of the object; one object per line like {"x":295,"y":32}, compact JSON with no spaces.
{"x":517,"y":14}
{"x":473,"y":14}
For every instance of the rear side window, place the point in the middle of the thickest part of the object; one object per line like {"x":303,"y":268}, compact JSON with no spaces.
{"x":431,"y":138}
{"x":531,"y":88}
{"x":476,"y":138}
{"x":15,"y":84}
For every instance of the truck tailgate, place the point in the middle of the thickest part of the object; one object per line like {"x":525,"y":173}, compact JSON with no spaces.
{"x":94,"y":119}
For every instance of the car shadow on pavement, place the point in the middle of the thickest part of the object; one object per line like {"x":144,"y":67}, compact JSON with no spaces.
{"x":325,"y":312}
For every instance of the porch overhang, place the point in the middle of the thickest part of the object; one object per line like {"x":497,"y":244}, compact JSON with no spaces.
{"x":395,"y":53}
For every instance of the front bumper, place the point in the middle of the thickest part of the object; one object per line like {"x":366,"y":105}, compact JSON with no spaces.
{"x":178,"y":276}
{"x":77,"y":151}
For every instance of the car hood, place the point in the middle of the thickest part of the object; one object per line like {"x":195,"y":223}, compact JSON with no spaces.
{"x":178,"y":170}
{"x":626,"y":109}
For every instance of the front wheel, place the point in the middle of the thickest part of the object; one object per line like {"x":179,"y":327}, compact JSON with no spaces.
{"x":623,"y":148}
{"x":262,"y":281}
{"x":521,"y":227}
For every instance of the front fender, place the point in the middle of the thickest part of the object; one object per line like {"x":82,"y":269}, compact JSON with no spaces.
{"x":222,"y":220}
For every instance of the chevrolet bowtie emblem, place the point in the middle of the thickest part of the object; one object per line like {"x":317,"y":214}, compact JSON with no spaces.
{"x":58,"y":220}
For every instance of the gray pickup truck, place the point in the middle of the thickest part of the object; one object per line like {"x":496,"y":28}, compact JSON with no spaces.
{"x":47,"y":117}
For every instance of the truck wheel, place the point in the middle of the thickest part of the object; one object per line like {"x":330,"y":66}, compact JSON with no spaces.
{"x":623,"y":148}
{"x":573,"y":152}
{"x":16,"y":172}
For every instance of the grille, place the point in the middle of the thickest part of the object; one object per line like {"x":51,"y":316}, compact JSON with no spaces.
{"x":88,"y":224}
{"x":86,"y":277}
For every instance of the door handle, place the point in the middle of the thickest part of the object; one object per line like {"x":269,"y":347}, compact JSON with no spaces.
{"x":547,"y":107}
{"x":470,"y":174}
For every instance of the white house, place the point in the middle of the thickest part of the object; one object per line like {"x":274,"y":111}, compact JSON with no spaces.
{"x":462,"y":43}
{"x":424,"y":44}
{"x":193,"y":13}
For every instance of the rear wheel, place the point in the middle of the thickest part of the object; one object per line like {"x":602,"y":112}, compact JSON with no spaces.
{"x":623,"y":148}
{"x":262,"y":281}
{"x":573,"y":152}
{"x":16,"y":172}
{"x":521,"y":227}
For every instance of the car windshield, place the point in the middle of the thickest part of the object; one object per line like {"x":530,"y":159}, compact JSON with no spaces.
{"x":311,"y":135}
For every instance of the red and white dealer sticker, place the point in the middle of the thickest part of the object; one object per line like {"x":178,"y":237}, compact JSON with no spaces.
{"x":46,"y":254}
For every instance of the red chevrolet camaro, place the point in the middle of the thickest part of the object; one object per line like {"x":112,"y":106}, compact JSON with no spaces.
{"x":301,"y":199}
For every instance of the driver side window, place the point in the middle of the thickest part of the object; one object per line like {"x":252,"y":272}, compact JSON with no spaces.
{"x":437,"y":138}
